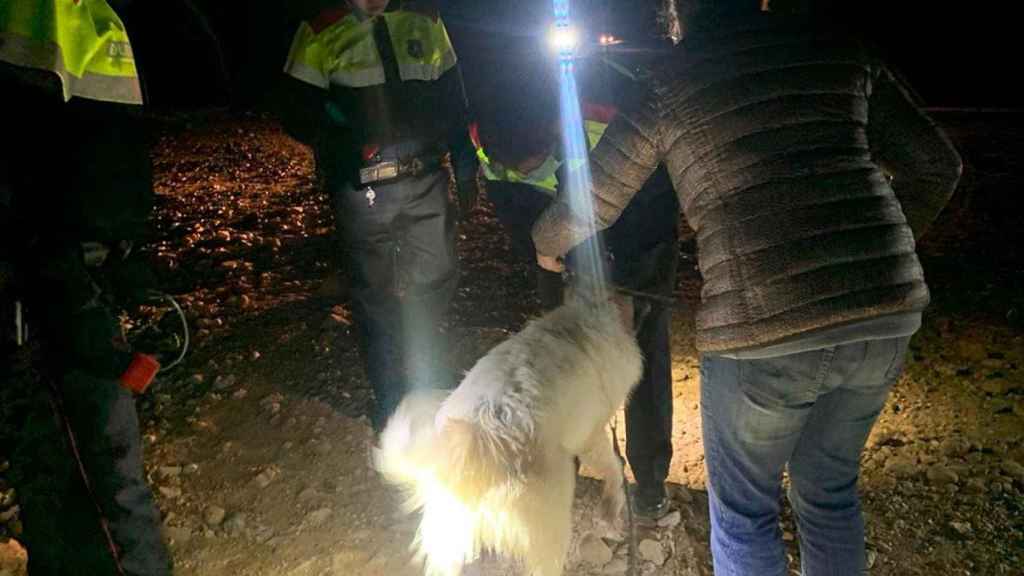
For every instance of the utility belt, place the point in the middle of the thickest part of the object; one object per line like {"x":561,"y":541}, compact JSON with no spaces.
{"x":376,"y":170}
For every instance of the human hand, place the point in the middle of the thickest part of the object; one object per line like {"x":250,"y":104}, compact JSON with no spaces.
{"x":550,"y":263}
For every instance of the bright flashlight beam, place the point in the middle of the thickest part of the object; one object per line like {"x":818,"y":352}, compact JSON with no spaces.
{"x":563,"y":39}
{"x":577,"y":189}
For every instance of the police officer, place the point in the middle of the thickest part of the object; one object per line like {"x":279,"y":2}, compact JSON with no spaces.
{"x":79,"y":190}
{"x":381,"y":100}
{"x":516,"y":140}
{"x":524,"y":173}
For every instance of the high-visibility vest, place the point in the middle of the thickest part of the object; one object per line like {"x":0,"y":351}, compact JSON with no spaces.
{"x":596,"y":118}
{"x":339,"y":48}
{"x":542,"y":177}
{"x":84,"y":42}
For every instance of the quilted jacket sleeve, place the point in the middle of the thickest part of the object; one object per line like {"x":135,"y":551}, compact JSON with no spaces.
{"x":625,"y":157}
{"x":910,"y":147}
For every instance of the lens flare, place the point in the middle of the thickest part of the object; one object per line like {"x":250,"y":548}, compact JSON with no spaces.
{"x":563,"y":39}
{"x":576,"y":190}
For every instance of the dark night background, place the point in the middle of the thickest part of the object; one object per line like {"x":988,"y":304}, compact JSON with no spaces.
{"x":265,"y":418}
{"x":955,"y":54}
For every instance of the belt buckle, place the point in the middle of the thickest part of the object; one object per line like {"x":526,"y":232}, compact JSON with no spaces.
{"x":378,"y":172}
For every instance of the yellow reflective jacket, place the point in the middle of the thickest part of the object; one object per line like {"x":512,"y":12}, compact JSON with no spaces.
{"x":84,"y":42}
{"x":339,"y":48}
{"x":405,"y":98}
{"x":596,"y":118}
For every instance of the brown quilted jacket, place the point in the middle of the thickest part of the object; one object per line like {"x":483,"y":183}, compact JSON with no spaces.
{"x":780,"y":142}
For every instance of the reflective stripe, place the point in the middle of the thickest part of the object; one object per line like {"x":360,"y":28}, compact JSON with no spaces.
{"x":21,"y":51}
{"x":308,"y":75}
{"x":358,"y":78}
{"x":497,"y":173}
{"x":350,"y":56}
{"x":544,"y":177}
{"x":485,"y":162}
{"x":345,"y":52}
{"x":105,"y":88}
{"x":427,"y":72}
{"x":594,"y":130}
{"x":302,"y":62}
{"x":91,"y":36}
{"x":84,"y":42}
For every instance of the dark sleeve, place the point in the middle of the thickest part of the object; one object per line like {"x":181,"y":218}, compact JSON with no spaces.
{"x":910,"y":147}
{"x":300,"y":107}
{"x":464,"y":160}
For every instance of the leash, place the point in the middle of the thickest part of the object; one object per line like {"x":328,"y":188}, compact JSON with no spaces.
{"x":670,"y":301}
{"x":660,"y":298}
{"x":184,"y":326}
{"x":632,"y":567}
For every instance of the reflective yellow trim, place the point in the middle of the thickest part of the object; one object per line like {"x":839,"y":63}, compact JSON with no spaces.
{"x":21,"y":51}
{"x":84,"y":42}
{"x":422,"y":46}
{"x":345,"y":52}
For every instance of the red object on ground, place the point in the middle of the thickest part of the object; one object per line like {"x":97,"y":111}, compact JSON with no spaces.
{"x":140,"y":373}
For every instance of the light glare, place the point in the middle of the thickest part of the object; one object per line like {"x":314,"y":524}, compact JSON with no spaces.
{"x":563,"y":38}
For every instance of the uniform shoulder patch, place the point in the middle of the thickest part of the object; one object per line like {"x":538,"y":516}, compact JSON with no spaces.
{"x":427,"y":8}
{"x":329,"y":16}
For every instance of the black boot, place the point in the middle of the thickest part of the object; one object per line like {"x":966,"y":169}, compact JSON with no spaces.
{"x":650,"y":503}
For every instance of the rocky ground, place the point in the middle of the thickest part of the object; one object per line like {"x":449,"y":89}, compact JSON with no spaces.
{"x":257,"y":445}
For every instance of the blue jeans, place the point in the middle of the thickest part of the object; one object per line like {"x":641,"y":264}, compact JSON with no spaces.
{"x":812,"y":411}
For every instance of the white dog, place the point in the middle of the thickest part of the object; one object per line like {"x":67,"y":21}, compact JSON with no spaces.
{"x":491,"y":466}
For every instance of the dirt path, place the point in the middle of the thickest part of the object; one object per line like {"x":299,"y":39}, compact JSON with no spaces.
{"x":258,"y":445}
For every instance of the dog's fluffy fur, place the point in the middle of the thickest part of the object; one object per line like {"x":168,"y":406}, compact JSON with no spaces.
{"x":490,"y":467}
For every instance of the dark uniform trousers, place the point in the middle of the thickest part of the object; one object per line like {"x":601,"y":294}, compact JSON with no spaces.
{"x":401,"y":250}
{"x":80,"y":172}
{"x":517,"y":206}
{"x":644,"y":248}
